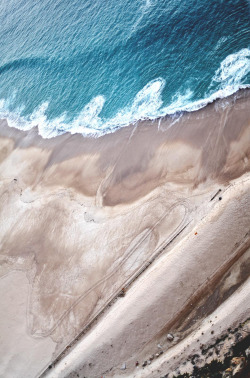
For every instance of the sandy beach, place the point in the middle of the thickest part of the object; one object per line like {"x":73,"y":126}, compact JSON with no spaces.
{"x":112,"y":246}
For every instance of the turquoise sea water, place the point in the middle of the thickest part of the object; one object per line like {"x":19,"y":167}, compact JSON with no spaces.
{"x":91,"y":66}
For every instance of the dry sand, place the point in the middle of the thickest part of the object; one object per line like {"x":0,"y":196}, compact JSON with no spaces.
{"x":82,"y":218}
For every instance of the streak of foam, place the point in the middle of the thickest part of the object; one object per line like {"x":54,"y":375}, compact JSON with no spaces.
{"x":89,"y":116}
{"x":87,"y":122}
{"x":147,"y":104}
{"x":233,"y":69}
{"x":229,"y":76}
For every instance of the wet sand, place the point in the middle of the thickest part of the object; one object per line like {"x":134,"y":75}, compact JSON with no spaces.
{"x":84,"y":220}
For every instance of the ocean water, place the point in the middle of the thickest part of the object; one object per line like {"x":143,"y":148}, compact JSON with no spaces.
{"x":92,"y":66}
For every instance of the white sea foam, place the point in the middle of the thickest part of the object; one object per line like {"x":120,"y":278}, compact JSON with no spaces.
{"x":89,"y":116}
{"x":229,"y":76}
{"x":87,"y":122}
{"x":147,"y":104}
{"x":233,"y":69}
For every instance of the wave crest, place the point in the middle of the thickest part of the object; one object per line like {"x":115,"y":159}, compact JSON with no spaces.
{"x":233,"y":69}
{"x":147,"y":104}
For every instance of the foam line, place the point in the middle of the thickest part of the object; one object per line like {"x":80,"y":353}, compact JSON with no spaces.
{"x":147,"y":104}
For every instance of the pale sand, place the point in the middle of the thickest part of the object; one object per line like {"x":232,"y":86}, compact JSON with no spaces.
{"x":18,"y":349}
{"x":218,"y":322}
{"x":83,"y":217}
{"x":166,"y":297}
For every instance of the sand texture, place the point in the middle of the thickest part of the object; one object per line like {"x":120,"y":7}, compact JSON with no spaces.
{"x":110,"y":244}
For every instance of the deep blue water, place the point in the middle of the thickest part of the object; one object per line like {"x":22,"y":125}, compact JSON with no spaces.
{"x":90,"y":65}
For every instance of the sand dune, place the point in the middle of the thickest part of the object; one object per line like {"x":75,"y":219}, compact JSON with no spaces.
{"x":137,"y":212}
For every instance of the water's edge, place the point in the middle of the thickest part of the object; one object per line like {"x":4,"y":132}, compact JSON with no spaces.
{"x":243,"y":91}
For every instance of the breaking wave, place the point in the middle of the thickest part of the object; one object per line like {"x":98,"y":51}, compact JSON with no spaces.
{"x":147,"y":104}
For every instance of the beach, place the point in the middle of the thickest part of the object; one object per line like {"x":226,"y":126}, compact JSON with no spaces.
{"x":111,"y":244}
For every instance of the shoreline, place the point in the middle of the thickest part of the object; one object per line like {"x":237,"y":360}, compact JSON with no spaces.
{"x":188,"y":131}
{"x":81,"y":217}
{"x":200,"y":104}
